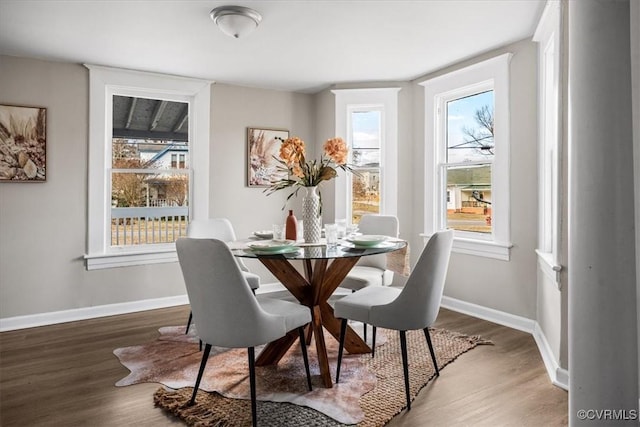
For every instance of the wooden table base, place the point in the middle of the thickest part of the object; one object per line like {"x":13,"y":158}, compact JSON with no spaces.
{"x":321,"y":281}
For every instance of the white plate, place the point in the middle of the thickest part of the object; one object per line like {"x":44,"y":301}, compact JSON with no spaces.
{"x":367,"y":240}
{"x":263,"y":234}
{"x":283,"y":250}
{"x":271,"y":245}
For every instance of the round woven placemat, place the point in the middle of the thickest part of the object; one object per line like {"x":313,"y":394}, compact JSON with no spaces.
{"x":381,"y":404}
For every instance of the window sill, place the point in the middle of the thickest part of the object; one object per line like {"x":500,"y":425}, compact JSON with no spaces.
{"x":128,"y":259}
{"x":482,"y":248}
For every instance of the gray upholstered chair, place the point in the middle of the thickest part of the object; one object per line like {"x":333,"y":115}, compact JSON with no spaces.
{"x":227,"y":313}
{"x":413,"y":307}
{"x":372,"y":270}
{"x":221,"y":229}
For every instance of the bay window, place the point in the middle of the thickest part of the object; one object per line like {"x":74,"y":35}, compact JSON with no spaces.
{"x":368,"y":118}
{"x":467,"y":157}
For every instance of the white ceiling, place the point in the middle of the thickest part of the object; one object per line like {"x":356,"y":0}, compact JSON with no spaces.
{"x":299,"y":46}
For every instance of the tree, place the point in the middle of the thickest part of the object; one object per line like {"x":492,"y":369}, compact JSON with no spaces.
{"x":481,"y":137}
{"x":127,"y":188}
{"x":176,"y":188}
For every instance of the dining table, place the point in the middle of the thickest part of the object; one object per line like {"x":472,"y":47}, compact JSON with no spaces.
{"x":323,"y":269}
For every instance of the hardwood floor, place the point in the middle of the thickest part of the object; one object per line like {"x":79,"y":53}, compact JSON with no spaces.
{"x":64,"y":375}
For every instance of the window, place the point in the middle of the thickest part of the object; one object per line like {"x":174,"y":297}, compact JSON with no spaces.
{"x":467,"y":157}
{"x":366,"y":140}
{"x":143,"y":130}
{"x":368,"y":120}
{"x":549,"y":148}
{"x":467,"y":162}
{"x":149,"y":199}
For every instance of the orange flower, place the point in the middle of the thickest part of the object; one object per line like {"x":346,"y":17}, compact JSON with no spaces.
{"x":297,"y":171}
{"x":336,"y":149}
{"x":292,"y":150}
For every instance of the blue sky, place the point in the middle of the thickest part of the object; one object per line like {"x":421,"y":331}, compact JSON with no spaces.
{"x":461,"y":114}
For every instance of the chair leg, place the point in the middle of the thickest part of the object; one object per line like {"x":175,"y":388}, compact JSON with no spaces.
{"x":343,"y":332}
{"x":433,"y":353}
{"x":303,"y":346}
{"x":373,"y":342}
{"x":405,"y":366}
{"x":205,"y":357}
{"x":189,"y":322}
{"x":252,"y":384}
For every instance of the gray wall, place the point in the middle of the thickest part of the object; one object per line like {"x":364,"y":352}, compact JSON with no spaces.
{"x":42,"y":243}
{"x":43,"y":227}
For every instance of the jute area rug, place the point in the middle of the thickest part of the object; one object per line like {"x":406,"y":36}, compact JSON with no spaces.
{"x":370,"y":392}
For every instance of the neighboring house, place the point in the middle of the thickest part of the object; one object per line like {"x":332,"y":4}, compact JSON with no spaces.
{"x":469,"y":191}
{"x":165,"y":189}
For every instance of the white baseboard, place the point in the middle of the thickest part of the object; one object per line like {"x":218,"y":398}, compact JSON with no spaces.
{"x":558,"y":376}
{"x":84,"y":313}
{"x":500,"y":317}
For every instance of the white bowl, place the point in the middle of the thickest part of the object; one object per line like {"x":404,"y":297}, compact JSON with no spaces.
{"x":367,"y":240}
{"x":263,"y":234}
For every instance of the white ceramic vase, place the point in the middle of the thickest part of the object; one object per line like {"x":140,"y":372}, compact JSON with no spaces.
{"x":312,"y":221}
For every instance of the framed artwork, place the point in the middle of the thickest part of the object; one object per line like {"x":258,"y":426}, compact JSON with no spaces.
{"x":263,"y":147}
{"x":23,"y":143}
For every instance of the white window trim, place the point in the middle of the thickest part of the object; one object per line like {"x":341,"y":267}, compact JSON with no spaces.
{"x":386,"y":101}
{"x":103,"y":83}
{"x":495,"y":71}
{"x":549,"y":141}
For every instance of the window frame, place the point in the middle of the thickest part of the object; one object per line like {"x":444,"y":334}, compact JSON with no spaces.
{"x":492,"y":74}
{"x":104,"y":82}
{"x":384,"y":100}
{"x":550,"y":130}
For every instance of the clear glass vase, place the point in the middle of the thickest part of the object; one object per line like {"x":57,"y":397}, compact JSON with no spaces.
{"x":311,"y":215}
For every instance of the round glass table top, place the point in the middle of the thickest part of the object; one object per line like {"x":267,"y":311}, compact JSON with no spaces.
{"x":304,"y":251}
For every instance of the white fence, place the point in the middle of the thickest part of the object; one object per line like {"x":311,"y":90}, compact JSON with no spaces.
{"x":147,"y":225}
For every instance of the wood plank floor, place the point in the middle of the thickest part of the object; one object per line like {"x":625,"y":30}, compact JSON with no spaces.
{"x":64,"y":375}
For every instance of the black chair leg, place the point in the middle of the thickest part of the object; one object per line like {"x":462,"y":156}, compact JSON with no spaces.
{"x":303,"y":346}
{"x":343,"y":331}
{"x":189,"y":322}
{"x":252,"y":384}
{"x":405,"y":366}
{"x":203,"y":363}
{"x":433,"y":353}
{"x":373,"y":342}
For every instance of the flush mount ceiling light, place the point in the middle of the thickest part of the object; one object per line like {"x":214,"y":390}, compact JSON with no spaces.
{"x":235,"y":21}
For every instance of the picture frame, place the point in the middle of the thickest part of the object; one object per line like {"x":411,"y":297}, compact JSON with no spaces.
{"x":23,"y":143}
{"x":263,"y":149}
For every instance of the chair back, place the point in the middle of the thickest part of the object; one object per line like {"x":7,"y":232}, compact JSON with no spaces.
{"x":225,"y":310}
{"x":214,"y":228}
{"x":418,"y":304}
{"x":386,"y":225}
